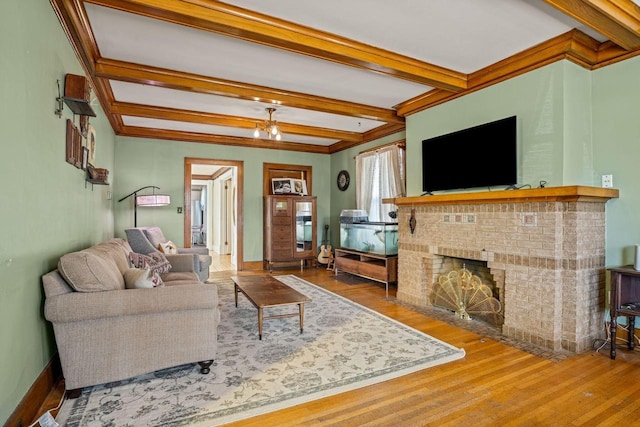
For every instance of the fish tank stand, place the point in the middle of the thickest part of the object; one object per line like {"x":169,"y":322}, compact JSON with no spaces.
{"x":376,"y":267}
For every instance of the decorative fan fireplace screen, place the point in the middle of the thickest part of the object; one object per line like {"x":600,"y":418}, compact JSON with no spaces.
{"x":466,"y":295}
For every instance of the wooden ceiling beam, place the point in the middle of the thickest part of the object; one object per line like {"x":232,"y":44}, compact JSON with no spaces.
{"x":164,"y":113}
{"x":232,"y":21}
{"x":182,"y":136}
{"x":574,"y":46}
{"x":161,"y":77}
{"x":619,"y":20}
{"x":373,"y":134}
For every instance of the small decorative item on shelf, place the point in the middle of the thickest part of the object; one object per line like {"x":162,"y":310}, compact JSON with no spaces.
{"x":98,"y":174}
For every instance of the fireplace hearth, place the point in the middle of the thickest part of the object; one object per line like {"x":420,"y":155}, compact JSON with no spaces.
{"x":544,"y":250}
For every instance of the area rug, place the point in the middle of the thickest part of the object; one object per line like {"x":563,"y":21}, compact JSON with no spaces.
{"x":344,"y":346}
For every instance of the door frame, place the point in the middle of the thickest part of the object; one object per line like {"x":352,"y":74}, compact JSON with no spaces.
{"x":239,"y":165}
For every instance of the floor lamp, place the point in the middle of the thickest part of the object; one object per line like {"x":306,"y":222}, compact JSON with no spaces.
{"x":146,"y":200}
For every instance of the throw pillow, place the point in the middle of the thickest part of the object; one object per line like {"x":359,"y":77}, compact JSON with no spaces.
{"x":85,"y":271}
{"x":168,"y":247}
{"x":136,"y":278}
{"x":153,"y":260}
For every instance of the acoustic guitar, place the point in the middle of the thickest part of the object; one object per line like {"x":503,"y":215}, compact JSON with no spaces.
{"x":326,"y":251}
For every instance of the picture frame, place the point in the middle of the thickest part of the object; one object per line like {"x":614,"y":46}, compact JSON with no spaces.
{"x":69,"y":153}
{"x":299,"y":186}
{"x":282,"y":186}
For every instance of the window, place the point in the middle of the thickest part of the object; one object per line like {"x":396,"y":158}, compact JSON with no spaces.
{"x":380,"y":175}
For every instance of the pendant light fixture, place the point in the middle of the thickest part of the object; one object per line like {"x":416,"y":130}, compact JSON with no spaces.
{"x":269,"y":126}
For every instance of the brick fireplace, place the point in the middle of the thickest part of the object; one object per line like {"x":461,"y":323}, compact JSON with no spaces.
{"x":544,"y":247}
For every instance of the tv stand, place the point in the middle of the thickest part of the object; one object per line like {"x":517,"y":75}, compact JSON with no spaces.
{"x":380,"y":268}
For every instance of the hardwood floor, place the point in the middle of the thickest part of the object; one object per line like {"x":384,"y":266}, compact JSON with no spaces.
{"x":494,"y":385}
{"x":220,"y":262}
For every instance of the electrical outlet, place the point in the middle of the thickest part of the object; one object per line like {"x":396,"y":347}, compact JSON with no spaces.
{"x":607,"y":181}
{"x":179,"y":209}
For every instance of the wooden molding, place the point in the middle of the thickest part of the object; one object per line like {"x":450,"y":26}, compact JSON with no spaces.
{"x":244,"y":24}
{"x":574,"y":46}
{"x":280,"y":170}
{"x":373,"y":134}
{"x":572,"y":193}
{"x":27,"y":410}
{"x":239,"y":164}
{"x":619,"y":20}
{"x":163,"y":113}
{"x":219,"y":173}
{"x":161,"y":77}
{"x":253,"y":265}
{"x":182,"y":136}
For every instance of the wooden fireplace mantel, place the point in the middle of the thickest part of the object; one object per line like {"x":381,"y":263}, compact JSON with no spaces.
{"x":571,"y":193}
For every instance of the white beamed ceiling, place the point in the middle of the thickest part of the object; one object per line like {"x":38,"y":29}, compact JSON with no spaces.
{"x":461,"y":36}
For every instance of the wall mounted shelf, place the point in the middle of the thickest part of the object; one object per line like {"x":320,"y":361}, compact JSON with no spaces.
{"x":80,"y":107}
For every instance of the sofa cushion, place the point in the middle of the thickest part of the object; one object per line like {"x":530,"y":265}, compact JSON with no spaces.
{"x":86,"y":271}
{"x":153,"y":260}
{"x":136,"y":278}
{"x":172,"y":277}
{"x":155,"y":236}
{"x":116,"y":249}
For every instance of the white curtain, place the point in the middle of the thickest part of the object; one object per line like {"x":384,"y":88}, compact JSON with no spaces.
{"x":379,"y":175}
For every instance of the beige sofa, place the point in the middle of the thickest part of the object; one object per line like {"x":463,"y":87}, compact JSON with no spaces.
{"x":105,"y":332}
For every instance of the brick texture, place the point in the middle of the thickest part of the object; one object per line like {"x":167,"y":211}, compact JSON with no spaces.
{"x":546,"y":260}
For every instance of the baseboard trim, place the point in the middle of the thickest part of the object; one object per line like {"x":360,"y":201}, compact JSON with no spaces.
{"x":27,"y":409}
{"x":252,"y":265}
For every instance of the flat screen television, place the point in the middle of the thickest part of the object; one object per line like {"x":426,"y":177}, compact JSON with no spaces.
{"x":480,"y":156}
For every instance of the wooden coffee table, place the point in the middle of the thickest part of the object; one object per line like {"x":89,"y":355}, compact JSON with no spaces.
{"x":265,"y":291}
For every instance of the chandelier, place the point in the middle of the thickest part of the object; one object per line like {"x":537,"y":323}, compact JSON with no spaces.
{"x":269,"y":126}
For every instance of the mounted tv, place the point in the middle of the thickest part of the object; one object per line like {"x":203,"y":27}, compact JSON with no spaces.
{"x":480,"y":156}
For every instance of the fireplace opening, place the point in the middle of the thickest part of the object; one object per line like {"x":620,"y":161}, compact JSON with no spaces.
{"x":468,"y":288}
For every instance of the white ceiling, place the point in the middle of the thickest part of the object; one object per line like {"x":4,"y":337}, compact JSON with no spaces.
{"x":462,"y":36}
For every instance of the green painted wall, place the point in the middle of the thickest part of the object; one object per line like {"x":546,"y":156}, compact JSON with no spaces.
{"x":46,"y":210}
{"x":536,"y":98}
{"x":574,"y":125}
{"x":345,"y":160}
{"x":616,"y":150}
{"x":142,"y":162}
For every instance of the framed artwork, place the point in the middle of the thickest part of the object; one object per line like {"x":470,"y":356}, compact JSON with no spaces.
{"x":91,"y":145}
{"x":282,"y":186}
{"x":299,"y":186}
{"x":77,"y":148}
{"x":69,"y":153}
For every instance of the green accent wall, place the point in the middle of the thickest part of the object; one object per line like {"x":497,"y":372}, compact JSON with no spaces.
{"x":346,"y":160}
{"x":574,"y":125}
{"x":536,"y":98}
{"x":46,"y":210}
{"x":141,"y":162}
{"x":616,"y":151}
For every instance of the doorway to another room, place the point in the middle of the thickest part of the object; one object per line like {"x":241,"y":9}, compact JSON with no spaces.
{"x":213,"y":210}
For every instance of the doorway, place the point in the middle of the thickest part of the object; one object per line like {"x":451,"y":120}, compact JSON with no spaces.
{"x":213,"y":192}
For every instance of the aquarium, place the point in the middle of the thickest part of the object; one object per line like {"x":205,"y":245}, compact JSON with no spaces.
{"x":373,"y":237}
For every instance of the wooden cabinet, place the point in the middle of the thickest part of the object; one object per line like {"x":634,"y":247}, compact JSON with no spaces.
{"x":372,"y":266}
{"x":289,"y":229}
{"x":625,"y":301}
